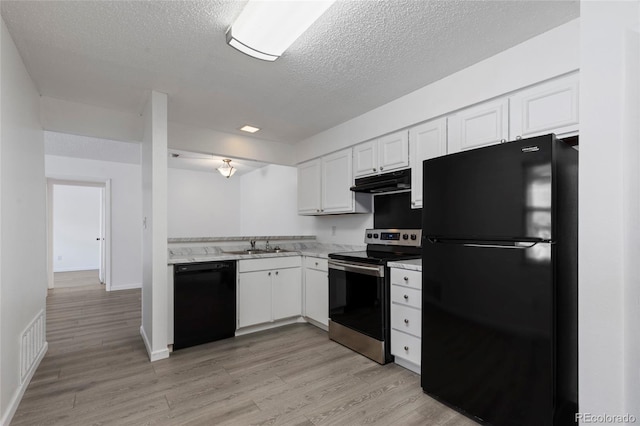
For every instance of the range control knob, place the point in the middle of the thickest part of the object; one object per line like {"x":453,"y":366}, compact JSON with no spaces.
{"x":369,"y":235}
{"x":405,"y":236}
{"x":375,"y":235}
{"x":414,"y":237}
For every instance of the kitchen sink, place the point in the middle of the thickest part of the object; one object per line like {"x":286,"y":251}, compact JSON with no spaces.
{"x":257,"y":251}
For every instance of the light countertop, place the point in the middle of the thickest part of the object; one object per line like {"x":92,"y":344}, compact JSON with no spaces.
{"x":215,"y":253}
{"x":411,"y":265}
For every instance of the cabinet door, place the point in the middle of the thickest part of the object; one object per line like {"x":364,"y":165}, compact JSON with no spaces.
{"x":550,"y":107}
{"x":254,"y":298}
{"x":393,"y":151}
{"x":286,"y":293}
{"x":316,"y":295}
{"x":427,"y":140}
{"x":365,"y":159}
{"x":480,"y":125}
{"x":309,"y":187}
{"x":337,"y":179}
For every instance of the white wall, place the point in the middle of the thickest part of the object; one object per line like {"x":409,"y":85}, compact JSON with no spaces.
{"x":76,"y":225}
{"x":268,"y":203}
{"x":126,"y":208}
{"x":631,"y":194}
{"x":23,"y":266}
{"x":609,"y":295}
{"x":545,"y":56}
{"x":202,"y":204}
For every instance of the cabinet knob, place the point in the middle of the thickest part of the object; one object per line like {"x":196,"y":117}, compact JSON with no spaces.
{"x":518,"y":137}
{"x":276,"y":272}
{"x":406,"y":348}
{"x":406,"y":278}
{"x":374,"y":169}
{"x":406,"y":297}
{"x":381,"y":168}
{"x":503,"y":140}
{"x":406,"y":321}
{"x":269,"y":274}
{"x":317,"y":210}
{"x":316,"y":263}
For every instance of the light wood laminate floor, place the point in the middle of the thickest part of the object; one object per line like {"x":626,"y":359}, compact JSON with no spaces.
{"x":97,"y":372}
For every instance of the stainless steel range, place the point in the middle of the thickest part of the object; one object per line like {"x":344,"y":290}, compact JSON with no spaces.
{"x":359,"y":288}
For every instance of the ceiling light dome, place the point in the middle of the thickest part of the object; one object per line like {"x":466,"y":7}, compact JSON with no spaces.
{"x":266,"y":28}
{"x":227,"y":170}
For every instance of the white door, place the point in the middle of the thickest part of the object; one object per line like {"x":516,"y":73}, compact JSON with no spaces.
{"x":393,"y":151}
{"x":309,"y":187}
{"x":365,"y":159}
{"x":550,"y":107}
{"x":337,"y":179}
{"x":254,"y":298}
{"x":316,"y":295}
{"x":480,"y":125}
{"x":287,"y":293}
{"x":428,"y":140}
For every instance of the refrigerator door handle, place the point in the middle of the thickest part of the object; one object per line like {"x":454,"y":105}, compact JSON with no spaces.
{"x":518,"y":245}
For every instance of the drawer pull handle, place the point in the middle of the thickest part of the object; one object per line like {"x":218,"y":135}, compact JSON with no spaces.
{"x":406,"y":321}
{"x":406,"y":297}
{"x":406,"y":348}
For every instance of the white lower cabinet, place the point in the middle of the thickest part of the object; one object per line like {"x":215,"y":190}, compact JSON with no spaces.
{"x":316,"y":290}
{"x":406,"y":318}
{"x":269,"y":289}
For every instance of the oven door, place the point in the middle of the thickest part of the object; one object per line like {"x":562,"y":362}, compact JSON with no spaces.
{"x":357,"y":297}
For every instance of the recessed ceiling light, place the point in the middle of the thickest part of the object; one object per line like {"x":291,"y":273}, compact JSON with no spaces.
{"x":249,"y":129}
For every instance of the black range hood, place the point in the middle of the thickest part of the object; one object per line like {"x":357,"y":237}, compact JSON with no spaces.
{"x":392,"y":181}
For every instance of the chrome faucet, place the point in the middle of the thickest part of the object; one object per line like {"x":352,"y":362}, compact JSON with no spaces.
{"x":253,"y":244}
{"x":267,"y":247}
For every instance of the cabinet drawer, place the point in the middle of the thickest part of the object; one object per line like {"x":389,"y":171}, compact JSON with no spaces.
{"x":405,"y":346}
{"x":407,"y":319}
{"x":406,"y":296}
{"x":269,"y":263}
{"x":318,"y":263}
{"x":406,"y":278}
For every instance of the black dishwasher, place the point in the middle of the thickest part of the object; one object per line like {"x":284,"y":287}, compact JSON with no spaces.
{"x":204,"y":301}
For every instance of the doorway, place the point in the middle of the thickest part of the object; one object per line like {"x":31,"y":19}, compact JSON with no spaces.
{"x":78,"y":232}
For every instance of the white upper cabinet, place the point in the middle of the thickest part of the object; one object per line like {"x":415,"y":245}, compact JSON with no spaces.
{"x":365,"y":159}
{"x":483,"y":124}
{"x":393,"y":151}
{"x":309,"y":187}
{"x":549,"y":107}
{"x":388,"y":153}
{"x":428,"y":140}
{"x":337,"y":179}
{"x":324,"y":186}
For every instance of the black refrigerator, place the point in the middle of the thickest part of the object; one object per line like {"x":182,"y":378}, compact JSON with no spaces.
{"x":499,"y":282}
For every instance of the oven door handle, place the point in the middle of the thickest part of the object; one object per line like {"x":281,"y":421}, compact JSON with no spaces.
{"x":376,"y":271}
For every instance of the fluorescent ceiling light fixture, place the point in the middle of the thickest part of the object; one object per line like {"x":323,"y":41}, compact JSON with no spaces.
{"x":226,"y":170}
{"x":249,"y":129}
{"x":266,"y":28}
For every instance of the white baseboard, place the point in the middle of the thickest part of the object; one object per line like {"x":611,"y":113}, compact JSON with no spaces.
{"x":153,"y":356}
{"x":407,"y":364}
{"x":77,"y":269}
{"x":131,"y":286}
{"x":17,"y":397}
{"x":268,"y":325}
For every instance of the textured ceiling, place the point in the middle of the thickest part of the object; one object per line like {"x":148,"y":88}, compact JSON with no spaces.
{"x":359,"y":55}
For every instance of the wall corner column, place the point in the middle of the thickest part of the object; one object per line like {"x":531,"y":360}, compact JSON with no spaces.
{"x":154,"y":227}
